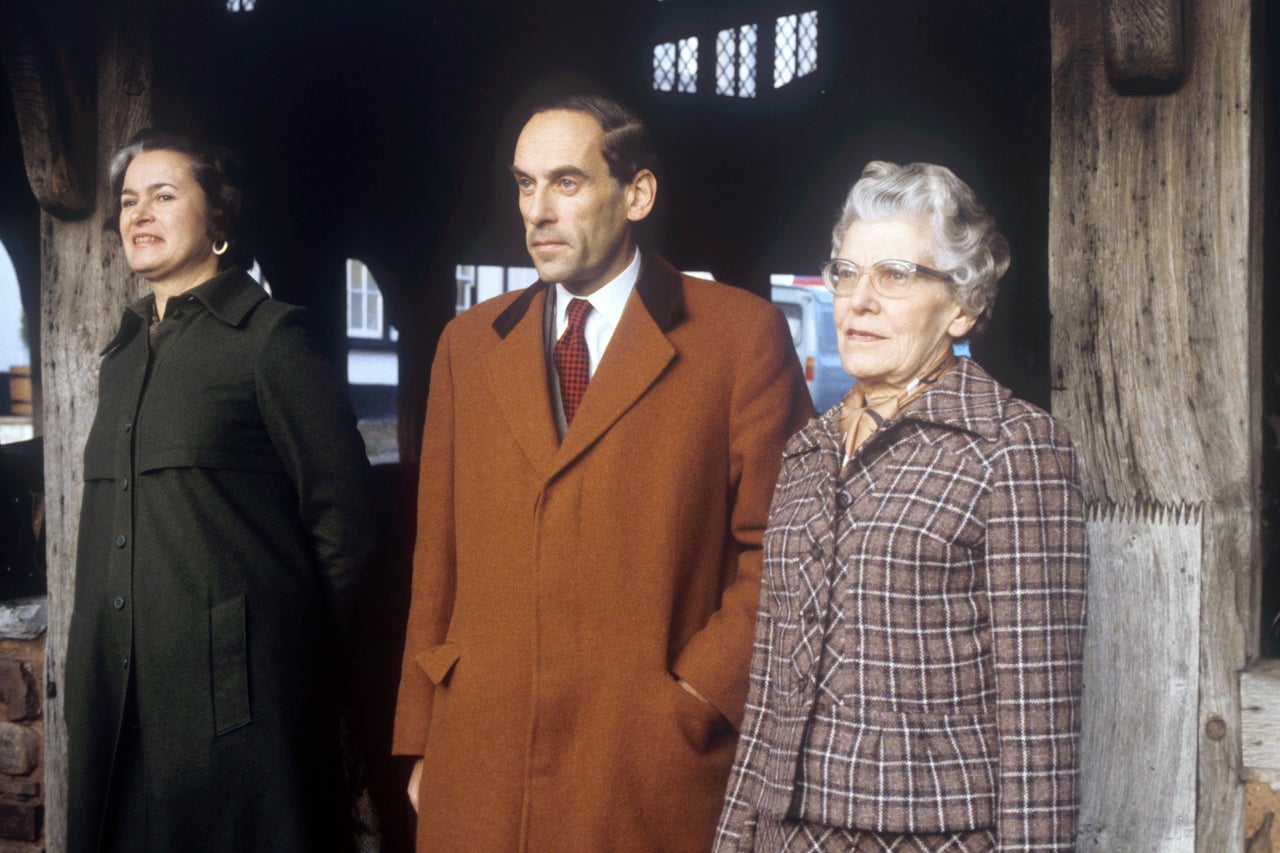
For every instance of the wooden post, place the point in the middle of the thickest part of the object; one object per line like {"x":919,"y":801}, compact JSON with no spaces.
{"x":1139,"y":742}
{"x":84,"y":280}
{"x":1155,"y":290}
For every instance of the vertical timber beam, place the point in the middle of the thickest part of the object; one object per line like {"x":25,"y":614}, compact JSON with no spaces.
{"x":1155,"y":290}
{"x":84,"y":285}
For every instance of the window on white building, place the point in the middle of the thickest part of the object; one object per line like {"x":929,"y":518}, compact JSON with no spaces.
{"x":476,"y":283}
{"x":364,"y":302}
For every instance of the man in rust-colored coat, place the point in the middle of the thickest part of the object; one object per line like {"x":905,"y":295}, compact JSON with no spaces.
{"x":588,"y":564}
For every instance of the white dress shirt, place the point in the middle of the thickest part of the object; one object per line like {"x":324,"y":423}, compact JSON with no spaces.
{"x":607,"y":305}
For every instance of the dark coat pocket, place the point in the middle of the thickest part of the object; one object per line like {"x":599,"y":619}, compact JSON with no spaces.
{"x":229,"y":664}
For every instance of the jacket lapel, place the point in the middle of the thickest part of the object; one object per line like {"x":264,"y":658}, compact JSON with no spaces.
{"x":638,"y":353}
{"x":517,"y":376}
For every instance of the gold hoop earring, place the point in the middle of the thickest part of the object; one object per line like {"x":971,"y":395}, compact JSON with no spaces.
{"x":220,"y":247}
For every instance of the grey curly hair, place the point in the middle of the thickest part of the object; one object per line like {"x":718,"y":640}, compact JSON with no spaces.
{"x":967,"y":244}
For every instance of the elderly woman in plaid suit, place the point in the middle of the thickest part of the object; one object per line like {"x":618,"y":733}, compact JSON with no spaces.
{"x":916,"y":676}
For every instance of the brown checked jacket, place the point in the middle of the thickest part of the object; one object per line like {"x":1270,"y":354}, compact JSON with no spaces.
{"x":917,"y":657}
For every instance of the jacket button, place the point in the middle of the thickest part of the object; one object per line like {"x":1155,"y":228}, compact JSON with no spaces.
{"x":843,"y":500}
{"x":118,"y":602}
{"x":124,"y":483}
{"x":128,"y":425}
{"x":120,"y":540}
{"x":124,"y":663}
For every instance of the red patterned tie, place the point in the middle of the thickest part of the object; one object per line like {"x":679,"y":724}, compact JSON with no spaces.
{"x":573,"y":363}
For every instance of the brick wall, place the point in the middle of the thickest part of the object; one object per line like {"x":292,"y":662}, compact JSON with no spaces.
{"x":21,"y":728}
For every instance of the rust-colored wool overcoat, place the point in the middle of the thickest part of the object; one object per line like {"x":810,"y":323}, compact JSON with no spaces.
{"x":559,"y":586}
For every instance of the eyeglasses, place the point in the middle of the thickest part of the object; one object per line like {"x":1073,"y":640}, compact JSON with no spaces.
{"x":890,"y":278}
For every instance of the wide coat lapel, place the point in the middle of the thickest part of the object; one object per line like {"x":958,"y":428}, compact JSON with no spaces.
{"x":517,"y":376}
{"x":637,"y":355}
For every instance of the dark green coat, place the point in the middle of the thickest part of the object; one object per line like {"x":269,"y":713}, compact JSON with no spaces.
{"x":225,"y":522}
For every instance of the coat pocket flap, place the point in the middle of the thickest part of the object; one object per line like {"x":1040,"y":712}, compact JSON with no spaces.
{"x":437,"y":662}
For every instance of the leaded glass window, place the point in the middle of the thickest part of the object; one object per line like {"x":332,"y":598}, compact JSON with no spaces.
{"x":687,"y":80}
{"x":795,"y":47}
{"x":736,"y":62}
{"x":664,"y":66}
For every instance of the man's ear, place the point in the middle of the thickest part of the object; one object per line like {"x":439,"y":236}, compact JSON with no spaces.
{"x":641,"y":194}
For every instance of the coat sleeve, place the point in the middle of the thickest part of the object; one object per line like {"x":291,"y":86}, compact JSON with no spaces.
{"x":1036,"y":561}
{"x":770,"y":402}
{"x":741,"y":812}
{"x":309,"y":418}
{"x":426,"y":659}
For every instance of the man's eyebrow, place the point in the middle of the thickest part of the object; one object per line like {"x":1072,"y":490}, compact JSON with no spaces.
{"x":557,"y":172}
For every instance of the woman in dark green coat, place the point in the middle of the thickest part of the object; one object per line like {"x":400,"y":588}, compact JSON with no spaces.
{"x":224,"y":525}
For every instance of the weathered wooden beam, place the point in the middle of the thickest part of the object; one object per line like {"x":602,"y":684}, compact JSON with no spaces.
{"x":1155,"y":289}
{"x":1142,"y":675}
{"x":1260,"y":715}
{"x":85,"y":284}
{"x":1145,"y":46}
{"x":53,"y":103}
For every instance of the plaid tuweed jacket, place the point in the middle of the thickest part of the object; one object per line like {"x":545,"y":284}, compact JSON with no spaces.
{"x":917,"y":656}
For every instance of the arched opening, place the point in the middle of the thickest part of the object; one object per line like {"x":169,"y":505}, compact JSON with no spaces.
{"x":16,"y":405}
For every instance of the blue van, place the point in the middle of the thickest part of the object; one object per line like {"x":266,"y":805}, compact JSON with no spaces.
{"x":813,"y":331}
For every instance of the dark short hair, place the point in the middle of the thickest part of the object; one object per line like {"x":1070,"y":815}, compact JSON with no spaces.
{"x":626,"y":148}
{"x":217,"y":170}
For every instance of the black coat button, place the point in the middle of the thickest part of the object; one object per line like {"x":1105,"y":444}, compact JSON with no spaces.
{"x":128,"y":425}
{"x":120,"y":540}
{"x":118,"y":602}
{"x":124,"y":483}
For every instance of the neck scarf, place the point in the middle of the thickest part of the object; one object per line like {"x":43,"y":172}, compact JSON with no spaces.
{"x":861,"y":414}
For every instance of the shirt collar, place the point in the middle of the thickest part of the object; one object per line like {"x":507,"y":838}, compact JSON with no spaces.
{"x":609,"y":300}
